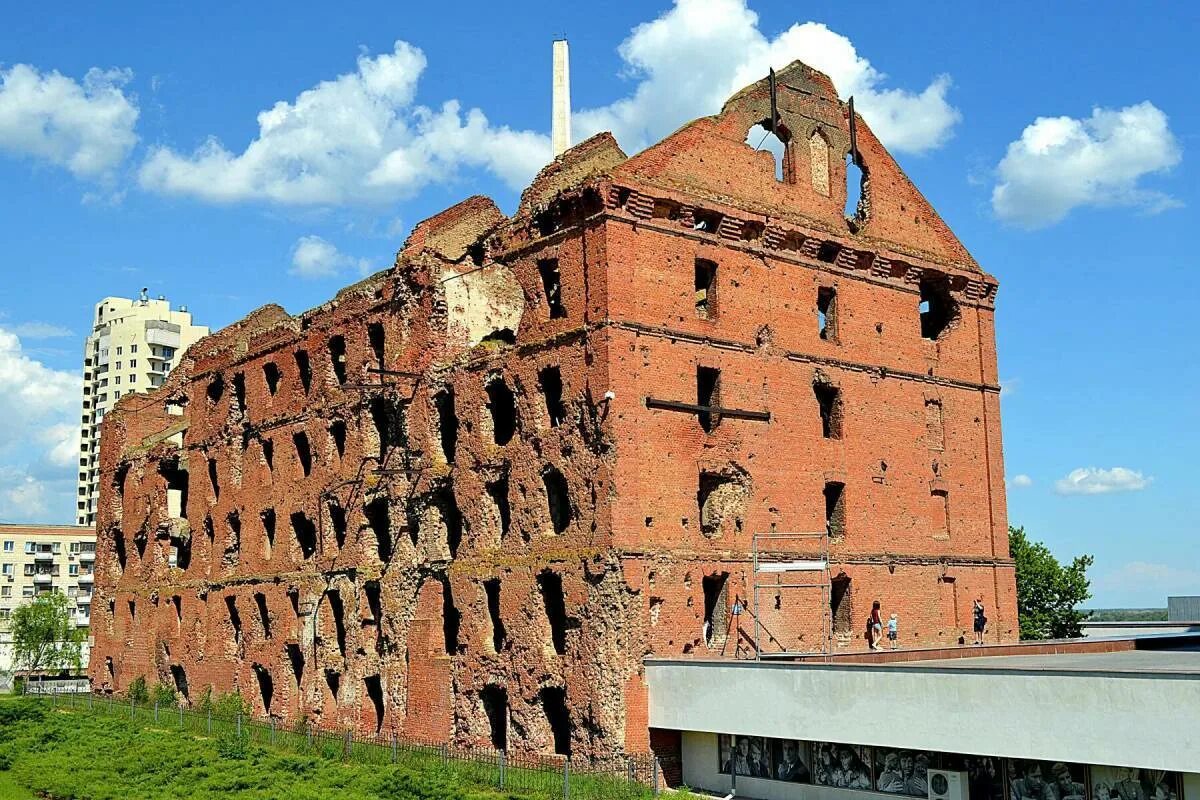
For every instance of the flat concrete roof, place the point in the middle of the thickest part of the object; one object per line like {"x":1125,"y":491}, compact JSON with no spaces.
{"x":1181,"y":661}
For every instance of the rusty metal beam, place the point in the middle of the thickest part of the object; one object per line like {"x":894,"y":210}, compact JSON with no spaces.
{"x":693,"y":408}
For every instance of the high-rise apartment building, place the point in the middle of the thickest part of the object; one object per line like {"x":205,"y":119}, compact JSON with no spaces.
{"x":132,"y":347}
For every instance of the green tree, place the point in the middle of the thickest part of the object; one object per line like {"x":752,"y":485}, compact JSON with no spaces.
{"x":1048,"y":594}
{"x":44,"y":636}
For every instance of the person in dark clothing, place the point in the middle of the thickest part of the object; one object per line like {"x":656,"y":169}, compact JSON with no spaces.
{"x":980,"y":619}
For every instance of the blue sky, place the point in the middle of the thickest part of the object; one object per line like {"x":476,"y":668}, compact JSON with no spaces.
{"x":271,"y":152}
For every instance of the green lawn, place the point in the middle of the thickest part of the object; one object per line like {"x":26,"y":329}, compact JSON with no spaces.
{"x":77,"y":754}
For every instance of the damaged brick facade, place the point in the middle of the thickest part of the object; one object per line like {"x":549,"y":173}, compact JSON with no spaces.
{"x":466,"y":497}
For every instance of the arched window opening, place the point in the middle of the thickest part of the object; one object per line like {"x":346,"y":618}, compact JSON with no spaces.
{"x":776,"y":142}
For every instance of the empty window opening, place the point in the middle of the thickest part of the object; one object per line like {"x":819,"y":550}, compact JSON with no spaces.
{"x":374,"y":601}
{"x":119,"y":547}
{"x":139,"y":541}
{"x":119,"y":480}
{"x":177,"y":488}
{"x":132,"y":604}
{"x":452,"y":518}
{"x":337,"y":520}
{"x":239,"y":391}
{"x":938,"y":308}
{"x":835,"y":511}
{"x":829,"y":402}
{"x":337,"y":357}
{"x":266,"y":687}
{"x":304,"y":369}
{"x":209,"y":531}
{"x":216,"y":388}
{"x":818,"y":160}
{"x":233,"y":541}
{"x":212,"y":478}
{"x":827,"y":313}
{"x":775,"y":142}
{"x":554,"y":704}
{"x":337,"y":432}
{"x":235,"y":619}
{"x":447,"y":422}
{"x":268,"y":449}
{"x":828,"y":252}
{"x":268,"y":522}
{"x":935,"y":434}
{"x":333,"y":680}
{"x":498,"y":491}
{"x":552,"y":285}
{"x":477,"y":253}
{"x":705,"y":220}
{"x":857,"y":191}
{"x":558,"y":498}
{"x":260,"y":600}
{"x":550,"y":584}
{"x":495,"y":707}
{"x":722,"y":498}
{"x":377,"y":339}
{"x":716,"y":606}
{"x":502,"y":407}
{"x":550,"y":379}
{"x":839,"y":606}
{"x":303,"y":453}
{"x":665,"y":209}
{"x":177,"y":601}
{"x":706,"y":288}
{"x":271,"y":375}
{"x":378,"y":515}
{"x":792,"y":240}
{"x":306,"y":534}
{"x":499,"y":635}
{"x":708,"y":394}
{"x":337,"y":610}
{"x":179,"y":676}
{"x":375,"y":691}
{"x":451,"y":619}
{"x":296,"y":659}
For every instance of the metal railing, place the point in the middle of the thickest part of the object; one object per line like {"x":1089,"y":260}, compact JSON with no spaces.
{"x":623,"y":777}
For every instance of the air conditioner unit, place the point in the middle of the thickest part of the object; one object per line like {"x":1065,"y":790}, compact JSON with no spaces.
{"x":945,"y":784}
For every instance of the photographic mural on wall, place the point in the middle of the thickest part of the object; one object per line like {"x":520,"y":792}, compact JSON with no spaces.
{"x":745,"y":755}
{"x":1046,"y":780}
{"x":985,"y":775}
{"x":902,"y":771}
{"x":842,"y":766}
{"x":791,"y":761}
{"x":1126,"y":783}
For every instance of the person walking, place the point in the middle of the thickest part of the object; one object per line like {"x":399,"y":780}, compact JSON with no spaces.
{"x":876,"y":625}
{"x":980,"y":620}
{"x":893,"y":630}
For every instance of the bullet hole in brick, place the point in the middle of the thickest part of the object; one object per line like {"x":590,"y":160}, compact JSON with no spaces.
{"x":337,"y":357}
{"x":708,"y":393}
{"x":557,"y":498}
{"x":447,"y":422}
{"x":337,"y":610}
{"x":502,"y":407}
{"x":375,"y":692}
{"x":716,"y":606}
{"x":879,"y":328}
{"x":378,"y":342}
{"x":499,"y":635}
{"x":179,"y":676}
{"x":378,"y":515}
{"x":498,"y":491}
{"x":938,"y":308}
{"x":216,"y":388}
{"x":303,"y":453}
{"x":705,"y":220}
{"x":119,"y":548}
{"x":235,"y":619}
{"x":827,"y":313}
{"x":829,"y":403}
{"x":554,"y":704}
{"x":213,"y":479}
{"x":266,"y":687}
{"x":451,"y":618}
{"x":828,"y":252}
{"x":260,"y":600}
{"x":835,"y":510}
{"x":452,"y":518}
{"x":706,"y":288}
{"x":268,"y":449}
{"x":337,"y":520}
{"x":495,"y":708}
{"x":305,"y":532}
{"x":935,"y":434}
{"x":722,"y":498}
{"x":304,"y":368}
{"x":550,"y":380}
{"x":550,"y":584}
{"x":552,"y":286}
{"x":333,"y":680}
{"x":268,"y":522}
{"x":233,"y":543}
{"x":839,"y":606}
{"x":239,"y":391}
{"x":271,"y":376}
{"x":296,"y":659}
{"x":649,"y":522}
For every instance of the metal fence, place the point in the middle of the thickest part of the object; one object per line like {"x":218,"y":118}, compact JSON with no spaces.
{"x":624,"y":777}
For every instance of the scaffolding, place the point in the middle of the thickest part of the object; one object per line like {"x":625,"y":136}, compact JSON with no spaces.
{"x":773,"y":563}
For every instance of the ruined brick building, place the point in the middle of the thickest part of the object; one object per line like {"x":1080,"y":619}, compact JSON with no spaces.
{"x":464,"y":498}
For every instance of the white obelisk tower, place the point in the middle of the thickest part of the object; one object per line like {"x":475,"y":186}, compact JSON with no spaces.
{"x":560,"y":124}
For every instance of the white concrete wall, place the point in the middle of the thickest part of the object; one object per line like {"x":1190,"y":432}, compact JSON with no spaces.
{"x":1146,"y":721}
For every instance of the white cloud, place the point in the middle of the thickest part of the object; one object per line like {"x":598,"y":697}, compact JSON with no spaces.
{"x":39,"y":330}
{"x":1021,"y":481}
{"x":1091,"y":480}
{"x":314,"y":257}
{"x":356,"y":138}
{"x":87,"y":128}
{"x":1008,"y":386}
{"x":1061,"y":163}
{"x":693,"y":57}
{"x":22,"y":497}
